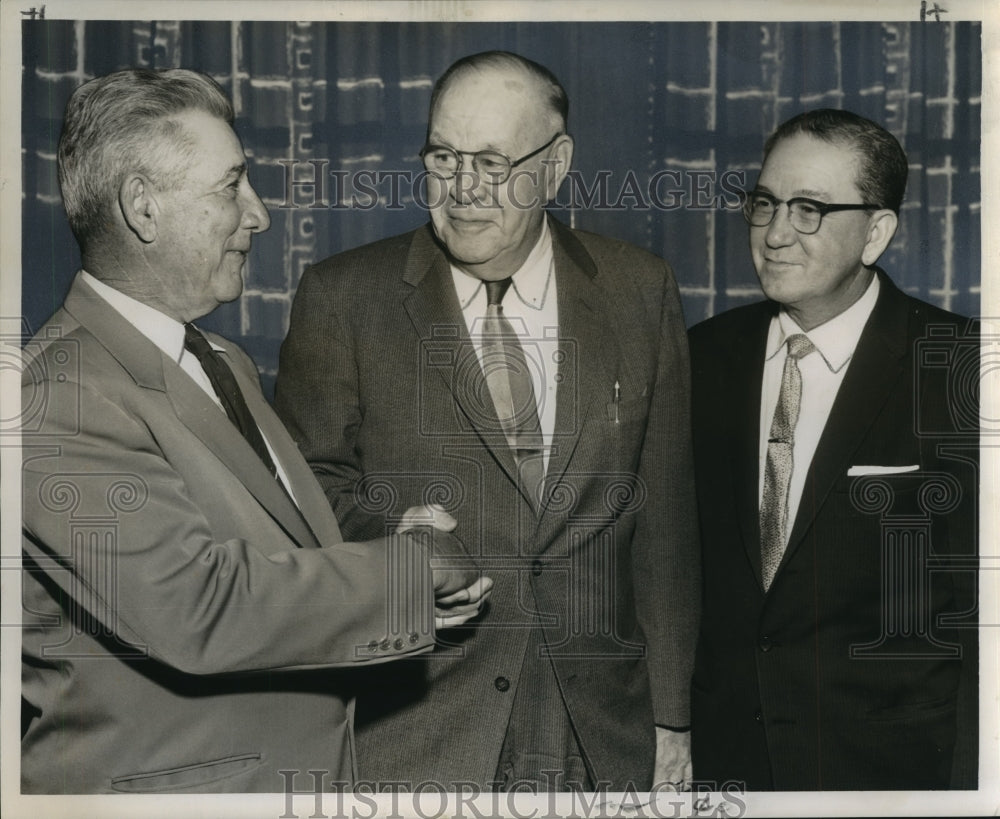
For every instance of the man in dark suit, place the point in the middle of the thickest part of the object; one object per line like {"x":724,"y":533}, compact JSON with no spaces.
{"x":836,"y":482}
{"x":534,"y":380}
{"x":187,"y":594}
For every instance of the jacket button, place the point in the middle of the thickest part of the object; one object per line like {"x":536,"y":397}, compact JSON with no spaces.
{"x":765,"y":644}
{"x":536,"y":567}
{"x":758,"y":716}
{"x":501,"y":683}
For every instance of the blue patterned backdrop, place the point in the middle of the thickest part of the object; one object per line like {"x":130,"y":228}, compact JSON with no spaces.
{"x":681,"y":103}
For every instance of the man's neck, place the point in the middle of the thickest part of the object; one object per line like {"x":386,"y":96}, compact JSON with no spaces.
{"x":115,"y":274}
{"x":811,"y":315}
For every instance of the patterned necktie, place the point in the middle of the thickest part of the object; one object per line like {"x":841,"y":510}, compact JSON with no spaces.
{"x":509,"y":381}
{"x":225,"y":386}
{"x":778,"y":469}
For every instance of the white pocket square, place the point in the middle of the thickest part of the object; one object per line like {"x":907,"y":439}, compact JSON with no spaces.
{"x":854,"y":471}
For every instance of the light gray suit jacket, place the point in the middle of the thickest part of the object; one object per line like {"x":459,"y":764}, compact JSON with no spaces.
{"x":184,"y":619}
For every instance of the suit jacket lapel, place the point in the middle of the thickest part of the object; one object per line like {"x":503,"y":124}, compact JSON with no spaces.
{"x":873,"y":371}
{"x":584,"y":369}
{"x":587,"y":365}
{"x":151,"y":369}
{"x":205,"y":420}
{"x":312,"y":518}
{"x":746,"y":377}
{"x":433,"y":308}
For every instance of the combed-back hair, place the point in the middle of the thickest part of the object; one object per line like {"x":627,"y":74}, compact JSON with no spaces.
{"x":123,"y":123}
{"x":882,"y":165}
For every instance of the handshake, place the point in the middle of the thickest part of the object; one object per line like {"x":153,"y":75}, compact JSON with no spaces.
{"x":459,"y":589}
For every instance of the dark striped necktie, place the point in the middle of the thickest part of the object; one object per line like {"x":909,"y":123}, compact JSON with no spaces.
{"x":225,"y":386}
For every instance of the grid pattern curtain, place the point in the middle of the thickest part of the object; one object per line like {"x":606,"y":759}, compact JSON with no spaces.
{"x":669,"y":119}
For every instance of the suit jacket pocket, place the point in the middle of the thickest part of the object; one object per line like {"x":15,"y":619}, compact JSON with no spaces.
{"x":621,"y":413}
{"x":923,"y":709}
{"x":623,"y":433}
{"x":186,"y":776}
{"x":871,"y":492}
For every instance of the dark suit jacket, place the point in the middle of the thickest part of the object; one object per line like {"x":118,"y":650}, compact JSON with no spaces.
{"x":182,"y":615}
{"x":380,"y":385}
{"x":844,"y":674}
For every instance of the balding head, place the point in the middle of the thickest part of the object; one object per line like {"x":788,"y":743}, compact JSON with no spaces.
{"x":514,"y":72}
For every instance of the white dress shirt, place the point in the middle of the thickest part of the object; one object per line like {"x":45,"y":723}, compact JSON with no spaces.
{"x":168,"y":335}
{"x":530,"y":305}
{"x":822,"y":371}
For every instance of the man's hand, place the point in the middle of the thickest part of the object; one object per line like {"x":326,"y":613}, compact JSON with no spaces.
{"x":459,"y":589}
{"x":673,"y":759}
{"x":428,"y":515}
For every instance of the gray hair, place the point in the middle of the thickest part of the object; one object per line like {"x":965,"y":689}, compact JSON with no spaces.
{"x":121,"y":123}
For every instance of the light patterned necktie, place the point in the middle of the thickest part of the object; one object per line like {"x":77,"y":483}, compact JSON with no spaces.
{"x":778,"y":469}
{"x":509,"y":380}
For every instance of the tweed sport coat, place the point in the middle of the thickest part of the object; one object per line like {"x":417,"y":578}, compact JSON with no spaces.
{"x":379,"y":384}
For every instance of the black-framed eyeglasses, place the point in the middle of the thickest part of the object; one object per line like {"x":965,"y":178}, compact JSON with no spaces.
{"x":493,"y":166}
{"x":805,"y":215}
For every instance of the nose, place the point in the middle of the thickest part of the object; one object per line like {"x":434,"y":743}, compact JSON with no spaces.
{"x":780,"y":232}
{"x":255,"y":215}
{"x":466,"y":187}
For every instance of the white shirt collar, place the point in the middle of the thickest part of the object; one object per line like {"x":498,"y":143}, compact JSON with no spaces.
{"x":531,"y":281}
{"x":165,"y":332}
{"x":835,"y":339}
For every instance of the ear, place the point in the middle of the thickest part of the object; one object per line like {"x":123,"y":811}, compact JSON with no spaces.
{"x":881,"y":229}
{"x":139,"y":207}
{"x":558,"y":166}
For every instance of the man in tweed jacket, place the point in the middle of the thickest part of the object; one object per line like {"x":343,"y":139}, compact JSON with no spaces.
{"x":577,"y":675}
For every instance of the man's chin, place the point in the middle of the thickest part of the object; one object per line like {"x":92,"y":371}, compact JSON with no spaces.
{"x":465,"y":253}
{"x":230,"y":290}
{"x":778,"y":285}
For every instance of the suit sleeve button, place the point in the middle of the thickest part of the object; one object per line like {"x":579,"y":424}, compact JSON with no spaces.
{"x":373,"y":646}
{"x":384,"y":645}
{"x":398,"y":644}
{"x":501,"y":683}
{"x":765,"y":644}
{"x":414,"y":637}
{"x":758,"y":716}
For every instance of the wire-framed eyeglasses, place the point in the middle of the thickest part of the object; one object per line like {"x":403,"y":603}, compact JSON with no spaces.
{"x":492,"y":166}
{"x":805,"y":215}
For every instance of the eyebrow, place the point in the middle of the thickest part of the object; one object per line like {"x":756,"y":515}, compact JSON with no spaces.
{"x":236,"y":170}
{"x":489,"y":146}
{"x":806,"y":193}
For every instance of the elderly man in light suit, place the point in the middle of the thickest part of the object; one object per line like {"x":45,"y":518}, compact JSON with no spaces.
{"x":188,"y":597}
